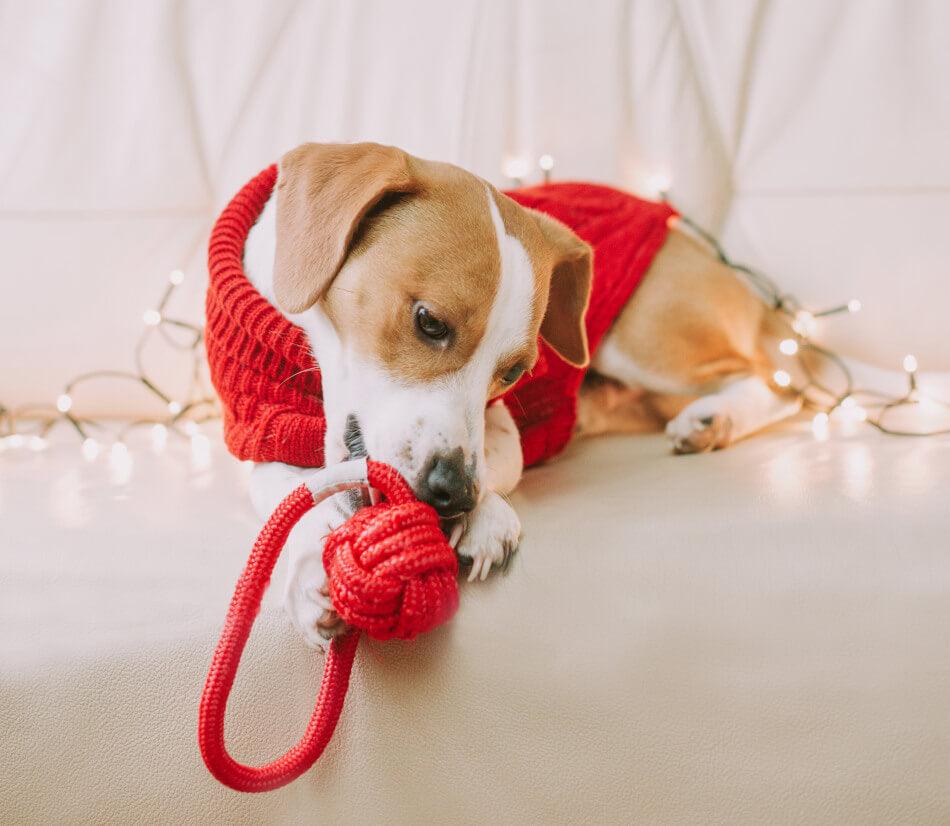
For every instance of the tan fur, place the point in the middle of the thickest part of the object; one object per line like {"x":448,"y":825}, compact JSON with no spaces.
{"x":607,"y":407}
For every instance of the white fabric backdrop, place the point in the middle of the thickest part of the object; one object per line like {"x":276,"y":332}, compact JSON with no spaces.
{"x":812,"y":133}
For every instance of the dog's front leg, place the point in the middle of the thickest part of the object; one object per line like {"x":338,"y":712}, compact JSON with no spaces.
{"x":305,"y":596}
{"x":494,"y":530}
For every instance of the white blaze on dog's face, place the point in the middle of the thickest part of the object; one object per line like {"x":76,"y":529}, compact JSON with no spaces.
{"x":424,"y":291}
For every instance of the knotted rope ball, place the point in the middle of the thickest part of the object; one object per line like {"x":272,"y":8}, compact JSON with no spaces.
{"x":390,"y":570}
{"x":391,"y":573}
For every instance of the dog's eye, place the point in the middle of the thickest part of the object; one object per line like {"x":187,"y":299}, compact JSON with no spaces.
{"x":513,"y":374}
{"x":430,"y":326}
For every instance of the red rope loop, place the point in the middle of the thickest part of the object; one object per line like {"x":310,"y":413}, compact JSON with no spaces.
{"x":391,"y":573}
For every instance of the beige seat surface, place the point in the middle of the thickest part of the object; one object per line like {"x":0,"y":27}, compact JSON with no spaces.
{"x":756,"y":636}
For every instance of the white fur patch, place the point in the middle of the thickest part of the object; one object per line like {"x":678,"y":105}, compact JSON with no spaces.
{"x":507,"y":328}
{"x":748,"y":405}
{"x":613,"y":361}
{"x":260,"y":248}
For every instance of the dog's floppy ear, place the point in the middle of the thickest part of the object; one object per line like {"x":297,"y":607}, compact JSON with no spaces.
{"x":323,"y":192}
{"x":563,"y":325}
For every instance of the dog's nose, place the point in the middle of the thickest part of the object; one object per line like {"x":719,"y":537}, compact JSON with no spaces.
{"x":447,"y":485}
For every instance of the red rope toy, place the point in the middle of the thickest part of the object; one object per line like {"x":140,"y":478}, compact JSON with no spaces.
{"x":391,"y":573}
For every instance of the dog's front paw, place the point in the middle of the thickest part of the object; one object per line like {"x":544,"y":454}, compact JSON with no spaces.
{"x":307,"y":600}
{"x":696,"y":431}
{"x":491,"y":536}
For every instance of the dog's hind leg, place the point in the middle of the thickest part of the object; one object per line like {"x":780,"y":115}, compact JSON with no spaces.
{"x":605,"y":406}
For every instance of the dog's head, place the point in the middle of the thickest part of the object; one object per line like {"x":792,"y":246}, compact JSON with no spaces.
{"x":425,"y":290}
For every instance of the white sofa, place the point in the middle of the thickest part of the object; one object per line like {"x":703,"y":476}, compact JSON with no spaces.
{"x":757,"y":636}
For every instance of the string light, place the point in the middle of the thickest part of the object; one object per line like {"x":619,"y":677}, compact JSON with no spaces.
{"x":658,"y":185}
{"x":159,"y":434}
{"x":37,"y":443}
{"x":120,"y":463}
{"x":197,"y":405}
{"x":841,"y":405}
{"x":90,"y":449}
{"x":782,"y":378}
{"x":849,"y":410}
{"x":804,"y":323}
{"x":546,"y":164}
{"x":200,"y":451}
{"x":517,"y":168}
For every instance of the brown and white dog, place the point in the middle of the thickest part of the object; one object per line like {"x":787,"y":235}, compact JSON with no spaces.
{"x":423,"y":291}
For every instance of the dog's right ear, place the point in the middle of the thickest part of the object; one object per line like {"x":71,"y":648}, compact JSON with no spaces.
{"x":323,"y":192}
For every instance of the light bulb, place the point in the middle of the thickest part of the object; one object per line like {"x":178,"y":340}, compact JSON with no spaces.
{"x":64,"y":402}
{"x":152,"y":318}
{"x":849,"y":410}
{"x":191,"y":428}
{"x":200,"y":452}
{"x":159,"y":437}
{"x":546,"y":163}
{"x":854,"y":306}
{"x":120,"y":463}
{"x":16,"y":440}
{"x":516,"y":167}
{"x":819,"y":426}
{"x":910,"y":363}
{"x":804,"y":323}
{"x":788,"y":346}
{"x":90,"y":449}
{"x":657,"y":184}
{"x":38,"y":443}
{"x":781,"y":378}
{"x":176,"y":277}
{"x":174,"y":408}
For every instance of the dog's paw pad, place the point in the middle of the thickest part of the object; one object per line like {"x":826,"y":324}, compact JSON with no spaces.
{"x":691,"y":433}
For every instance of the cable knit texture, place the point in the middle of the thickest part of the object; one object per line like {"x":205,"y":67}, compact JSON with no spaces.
{"x":390,"y":570}
{"x":268,"y":381}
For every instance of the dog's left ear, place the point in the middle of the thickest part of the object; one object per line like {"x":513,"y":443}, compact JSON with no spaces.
{"x":563,"y":326}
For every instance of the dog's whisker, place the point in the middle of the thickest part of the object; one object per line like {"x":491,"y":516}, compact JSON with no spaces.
{"x":299,"y":373}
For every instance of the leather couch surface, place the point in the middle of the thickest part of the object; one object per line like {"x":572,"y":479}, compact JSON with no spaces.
{"x":753,"y":636}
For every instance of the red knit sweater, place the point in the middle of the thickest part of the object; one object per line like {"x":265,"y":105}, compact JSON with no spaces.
{"x":262,"y":367}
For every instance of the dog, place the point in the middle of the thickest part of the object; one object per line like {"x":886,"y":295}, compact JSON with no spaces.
{"x":423,"y":293}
